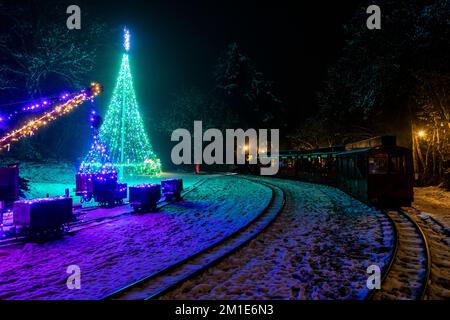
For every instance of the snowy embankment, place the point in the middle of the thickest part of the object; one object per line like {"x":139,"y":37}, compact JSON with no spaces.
{"x":319,"y":248}
{"x":434,"y":201}
{"x":116,"y":253}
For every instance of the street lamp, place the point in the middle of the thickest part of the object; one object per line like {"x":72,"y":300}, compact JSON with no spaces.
{"x":421,"y":134}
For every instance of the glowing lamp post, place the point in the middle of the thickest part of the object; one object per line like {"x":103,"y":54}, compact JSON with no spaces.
{"x":421,"y":134}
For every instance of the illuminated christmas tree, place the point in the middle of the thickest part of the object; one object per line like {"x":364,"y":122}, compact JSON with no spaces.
{"x":123,"y":130}
{"x":97,"y":161}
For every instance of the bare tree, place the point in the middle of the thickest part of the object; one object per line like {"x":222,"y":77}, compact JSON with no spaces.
{"x":395,"y":81}
{"x":36,"y":47}
{"x":191,"y":104}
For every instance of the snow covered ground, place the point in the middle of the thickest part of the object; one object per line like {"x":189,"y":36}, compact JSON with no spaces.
{"x":318,"y":248}
{"x":435,"y":202}
{"x":431,"y":209}
{"x":125,"y":249}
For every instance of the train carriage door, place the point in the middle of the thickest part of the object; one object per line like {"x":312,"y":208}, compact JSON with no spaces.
{"x":377,"y":177}
{"x":397,"y":164}
{"x":378,"y":163}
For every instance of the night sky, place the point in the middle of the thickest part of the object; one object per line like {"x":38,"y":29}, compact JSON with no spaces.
{"x":175,"y":44}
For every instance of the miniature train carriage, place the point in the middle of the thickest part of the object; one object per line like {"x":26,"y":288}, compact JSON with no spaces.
{"x":171,"y":188}
{"x":104,"y":188}
{"x":41,"y":217}
{"x":375,"y":171}
{"x":110,"y":194}
{"x":84,"y":186}
{"x":144,"y":197}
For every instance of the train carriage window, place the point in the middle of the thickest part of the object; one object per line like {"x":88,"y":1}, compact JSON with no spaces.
{"x":378,"y":164}
{"x":349,"y":168}
{"x":362,"y":166}
{"x":397,"y":164}
{"x":346,"y":167}
{"x":290,"y":162}
{"x":352,"y":168}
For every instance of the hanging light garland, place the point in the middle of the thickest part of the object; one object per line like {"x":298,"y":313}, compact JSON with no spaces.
{"x":57,"y":111}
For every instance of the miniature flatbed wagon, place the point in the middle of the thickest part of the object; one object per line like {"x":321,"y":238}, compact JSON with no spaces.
{"x":144,"y":197}
{"x":43,"y":217}
{"x":104,"y":189}
{"x":171,"y":188}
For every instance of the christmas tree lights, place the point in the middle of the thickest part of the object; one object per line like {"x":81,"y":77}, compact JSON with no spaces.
{"x":97,"y":176}
{"x":97,"y":160}
{"x":126,"y":41}
{"x":123,"y":130}
{"x":57,"y":111}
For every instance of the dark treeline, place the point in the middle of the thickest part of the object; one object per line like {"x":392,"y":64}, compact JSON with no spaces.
{"x":390,"y":81}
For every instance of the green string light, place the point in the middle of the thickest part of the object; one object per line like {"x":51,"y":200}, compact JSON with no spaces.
{"x":123,"y":129}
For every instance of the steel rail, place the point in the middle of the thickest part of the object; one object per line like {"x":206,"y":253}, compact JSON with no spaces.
{"x":122,"y":292}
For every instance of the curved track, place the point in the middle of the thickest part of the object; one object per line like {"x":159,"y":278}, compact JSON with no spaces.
{"x":407,"y":275}
{"x":159,"y":283}
{"x":438,"y":236}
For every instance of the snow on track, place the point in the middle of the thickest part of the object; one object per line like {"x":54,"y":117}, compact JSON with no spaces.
{"x":156,"y":285}
{"x":408,"y":274}
{"x":438,"y":237}
{"x":116,"y":253}
{"x":318,"y":248}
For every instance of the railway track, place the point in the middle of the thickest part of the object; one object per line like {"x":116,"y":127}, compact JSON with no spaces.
{"x":408,"y":273}
{"x":161,"y":282}
{"x":438,"y":236}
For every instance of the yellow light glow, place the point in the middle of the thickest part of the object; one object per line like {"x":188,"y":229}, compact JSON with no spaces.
{"x":421,"y":134}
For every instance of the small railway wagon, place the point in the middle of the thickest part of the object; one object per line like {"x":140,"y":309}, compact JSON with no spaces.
{"x":375,"y":171}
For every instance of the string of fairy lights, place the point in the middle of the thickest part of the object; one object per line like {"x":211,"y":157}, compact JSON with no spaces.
{"x":60,"y":109}
{"x":97,"y":161}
